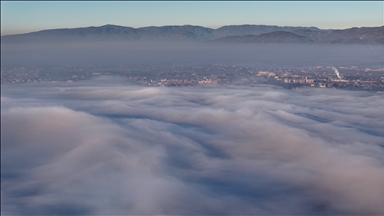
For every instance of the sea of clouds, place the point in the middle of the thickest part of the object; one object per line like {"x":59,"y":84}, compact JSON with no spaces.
{"x":112,"y":148}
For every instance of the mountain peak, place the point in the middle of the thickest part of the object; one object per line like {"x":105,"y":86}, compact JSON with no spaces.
{"x":110,"y":25}
{"x":187,"y":32}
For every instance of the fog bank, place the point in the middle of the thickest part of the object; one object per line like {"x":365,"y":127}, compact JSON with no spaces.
{"x":251,"y":55}
{"x":105,"y":147}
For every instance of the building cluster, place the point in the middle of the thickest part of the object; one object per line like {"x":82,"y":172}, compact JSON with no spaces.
{"x":298,"y":80}
{"x":173,"y":75}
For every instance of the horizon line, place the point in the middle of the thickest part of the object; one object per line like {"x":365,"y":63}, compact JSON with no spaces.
{"x":185,"y":25}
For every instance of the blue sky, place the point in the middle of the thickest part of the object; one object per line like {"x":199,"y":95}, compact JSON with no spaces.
{"x":21,"y":17}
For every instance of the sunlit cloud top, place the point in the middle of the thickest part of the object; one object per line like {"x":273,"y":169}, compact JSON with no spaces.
{"x":131,"y":150}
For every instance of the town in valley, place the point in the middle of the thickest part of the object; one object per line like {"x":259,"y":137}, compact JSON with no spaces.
{"x":178,"y":75}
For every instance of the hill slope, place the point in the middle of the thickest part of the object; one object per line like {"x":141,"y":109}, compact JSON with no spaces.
{"x":227,"y":34}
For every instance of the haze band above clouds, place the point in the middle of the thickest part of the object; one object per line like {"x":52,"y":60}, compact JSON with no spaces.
{"x":101,"y":147}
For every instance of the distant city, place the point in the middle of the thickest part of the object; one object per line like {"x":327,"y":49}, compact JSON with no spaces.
{"x":178,"y":75}
{"x":112,"y":43}
{"x":192,"y":108}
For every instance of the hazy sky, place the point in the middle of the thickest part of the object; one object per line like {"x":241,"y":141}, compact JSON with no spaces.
{"x":21,"y":17}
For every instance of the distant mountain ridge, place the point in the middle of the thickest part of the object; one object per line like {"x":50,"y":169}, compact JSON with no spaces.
{"x":239,"y":30}
{"x":364,"y":35}
{"x":272,"y":37}
{"x":225,"y":34}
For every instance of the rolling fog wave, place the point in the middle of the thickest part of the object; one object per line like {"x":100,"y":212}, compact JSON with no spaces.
{"x":86,"y":148}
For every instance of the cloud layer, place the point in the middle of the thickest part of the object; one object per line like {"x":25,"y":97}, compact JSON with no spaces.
{"x":104,"y":147}
{"x":244,"y":55}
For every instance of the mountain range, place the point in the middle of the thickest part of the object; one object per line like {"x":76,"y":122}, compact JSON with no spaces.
{"x":225,"y":34}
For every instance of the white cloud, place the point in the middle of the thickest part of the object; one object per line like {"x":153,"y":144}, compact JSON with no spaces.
{"x":212,"y":150}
